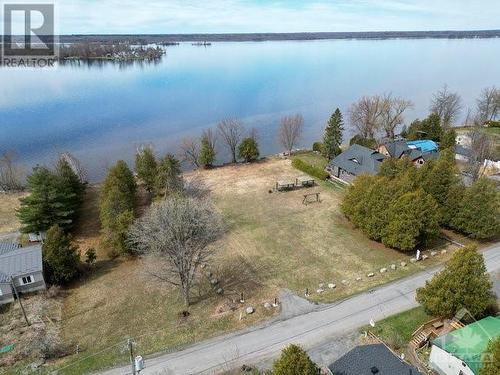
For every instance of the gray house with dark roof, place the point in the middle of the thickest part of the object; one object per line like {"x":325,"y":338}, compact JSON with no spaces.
{"x":356,"y":160}
{"x":21,"y":266}
{"x":375,"y":359}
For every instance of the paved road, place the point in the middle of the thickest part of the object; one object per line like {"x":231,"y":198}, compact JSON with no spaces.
{"x":309,"y":330}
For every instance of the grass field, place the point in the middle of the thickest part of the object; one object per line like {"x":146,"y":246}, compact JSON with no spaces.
{"x":400,"y":327}
{"x":9,"y":203}
{"x":273,"y":241}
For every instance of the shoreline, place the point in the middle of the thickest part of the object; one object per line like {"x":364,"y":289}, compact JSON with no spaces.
{"x":301,"y":36}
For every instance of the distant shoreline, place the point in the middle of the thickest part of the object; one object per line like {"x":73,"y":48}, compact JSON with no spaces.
{"x":261,"y":37}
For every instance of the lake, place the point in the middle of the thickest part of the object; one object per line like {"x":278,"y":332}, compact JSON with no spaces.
{"x":103,"y":112}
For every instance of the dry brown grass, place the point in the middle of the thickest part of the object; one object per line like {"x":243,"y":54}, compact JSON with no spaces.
{"x":37,"y":342}
{"x":9,"y":203}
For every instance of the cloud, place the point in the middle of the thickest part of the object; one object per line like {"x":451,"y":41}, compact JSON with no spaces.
{"x":213,"y":16}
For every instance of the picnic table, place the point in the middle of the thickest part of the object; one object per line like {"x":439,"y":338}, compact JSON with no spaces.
{"x":305,"y":181}
{"x":285,"y":185}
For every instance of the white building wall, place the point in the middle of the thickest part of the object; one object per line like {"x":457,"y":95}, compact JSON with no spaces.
{"x":446,"y":364}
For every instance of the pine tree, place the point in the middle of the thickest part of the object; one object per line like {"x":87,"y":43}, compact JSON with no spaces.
{"x":49,"y":203}
{"x":332,"y":139}
{"x":169,"y":178}
{"x":478,"y":213}
{"x":249,"y":149}
{"x":117,"y":202}
{"x":491,"y":361}
{"x":464,"y":283}
{"x":146,"y":168}
{"x":60,"y":257}
{"x":71,"y":185}
{"x":294,"y":361}
{"x":413,"y":220}
{"x":207,"y":152}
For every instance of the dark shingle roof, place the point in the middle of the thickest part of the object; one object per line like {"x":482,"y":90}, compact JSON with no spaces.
{"x":358,"y":160}
{"x":362,"y":359}
{"x":461,"y":150}
{"x":6,"y":247}
{"x":20,"y":261}
{"x":397,"y":148}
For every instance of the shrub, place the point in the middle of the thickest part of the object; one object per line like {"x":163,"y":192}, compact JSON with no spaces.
{"x":310,"y":170}
{"x":294,"y":361}
{"x":318,"y":147}
{"x":493,"y":124}
{"x":248,"y":150}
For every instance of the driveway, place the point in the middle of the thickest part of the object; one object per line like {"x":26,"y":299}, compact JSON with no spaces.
{"x":311,"y":329}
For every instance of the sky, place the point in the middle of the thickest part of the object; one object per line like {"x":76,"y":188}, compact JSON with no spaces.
{"x":244,"y":16}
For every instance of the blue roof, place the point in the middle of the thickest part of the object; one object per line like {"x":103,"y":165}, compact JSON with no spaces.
{"x":424,"y":145}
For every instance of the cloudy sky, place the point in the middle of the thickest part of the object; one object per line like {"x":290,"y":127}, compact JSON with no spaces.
{"x":223,"y":16}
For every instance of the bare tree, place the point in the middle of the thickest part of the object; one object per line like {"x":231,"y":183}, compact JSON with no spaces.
{"x":481,"y":148}
{"x":75,"y":166}
{"x":365,"y":115}
{"x":488,"y":104}
{"x":190,"y":151}
{"x":178,"y":231}
{"x":231,"y":132}
{"x":447,"y":105}
{"x":253,"y":133}
{"x":392,"y":113}
{"x":290,"y":131}
{"x":11,"y":174}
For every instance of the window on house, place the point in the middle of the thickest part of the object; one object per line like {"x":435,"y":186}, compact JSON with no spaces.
{"x":26,"y":280}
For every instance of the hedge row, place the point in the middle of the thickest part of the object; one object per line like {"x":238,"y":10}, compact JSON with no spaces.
{"x":493,"y":124}
{"x":310,"y":170}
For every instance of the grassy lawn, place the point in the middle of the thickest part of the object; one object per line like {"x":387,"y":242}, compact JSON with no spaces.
{"x":273,"y":241}
{"x":312,"y":158}
{"x":9,"y":203}
{"x":400,"y":326}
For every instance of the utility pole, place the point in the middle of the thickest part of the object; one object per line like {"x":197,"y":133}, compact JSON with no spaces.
{"x":19,"y":299}
{"x":131,"y":349}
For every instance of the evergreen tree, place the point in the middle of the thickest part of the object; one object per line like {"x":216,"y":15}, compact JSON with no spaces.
{"x":413,"y":220}
{"x":169,"y":178}
{"x":60,"y":257}
{"x":359,"y":140}
{"x":332,"y":139}
{"x":294,"y":361}
{"x":393,"y":168}
{"x":248,"y":150}
{"x":207,"y":152}
{"x":464,"y":283}
{"x":491,"y":362}
{"x":49,"y":203}
{"x":430,"y":128}
{"x":448,"y":139}
{"x":146,"y":168}
{"x":117,"y":202}
{"x":478,"y":213}
{"x":441,"y":180}
{"x":70,"y":184}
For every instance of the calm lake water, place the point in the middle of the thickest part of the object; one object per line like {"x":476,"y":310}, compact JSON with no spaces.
{"x":101,"y":113}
